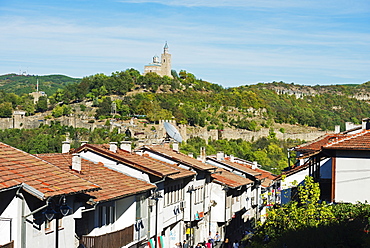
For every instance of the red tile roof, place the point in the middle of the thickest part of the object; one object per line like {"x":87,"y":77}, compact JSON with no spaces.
{"x":180,"y":157}
{"x":230,"y":179}
{"x":293,"y":170}
{"x":266,"y":177}
{"x":113,"y":184}
{"x":242,"y":167}
{"x":17,"y":167}
{"x":359,"y":141}
{"x":182,"y":172}
{"x":316,"y":145}
{"x":142,"y":163}
{"x":340,"y":141}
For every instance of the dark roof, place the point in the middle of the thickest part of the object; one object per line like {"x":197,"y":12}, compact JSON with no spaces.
{"x":17,"y":167}
{"x":114,"y":184}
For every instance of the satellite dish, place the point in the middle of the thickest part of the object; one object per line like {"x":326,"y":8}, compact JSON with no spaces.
{"x":172,"y":132}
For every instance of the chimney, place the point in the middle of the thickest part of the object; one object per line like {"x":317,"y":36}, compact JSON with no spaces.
{"x":220,"y":156}
{"x":191,"y":155}
{"x":126,"y":146}
{"x":349,"y":125}
{"x":113,"y":146}
{"x":66,"y":146}
{"x":76,"y":162}
{"x":366,"y":123}
{"x":140,"y":143}
{"x":203,"y":154}
{"x":84,"y":142}
{"x":166,"y":144}
{"x":337,"y":129}
{"x":175,"y":146}
{"x":232,"y":159}
{"x":254,"y":165}
{"x":139,"y":152}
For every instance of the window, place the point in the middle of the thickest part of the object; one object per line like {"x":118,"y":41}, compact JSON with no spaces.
{"x":111,"y":214}
{"x":228,"y":201}
{"x":103,"y":215}
{"x":199,"y":193}
{"x":166,"y":197}
{"x":141,"y":207}
{"x":107,"y":214}
{"x":173,"y":194}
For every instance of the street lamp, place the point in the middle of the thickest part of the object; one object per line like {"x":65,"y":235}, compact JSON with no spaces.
{"x":54,"y":210}
{"x":190,"y":190}
{"x":156,"y":196}
{"x":213,"y":203}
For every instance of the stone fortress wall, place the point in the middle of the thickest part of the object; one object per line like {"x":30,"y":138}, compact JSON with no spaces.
{"x":146,"y":133}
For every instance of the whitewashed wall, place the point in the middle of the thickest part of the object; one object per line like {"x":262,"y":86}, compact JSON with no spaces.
{"x":352,"y":177}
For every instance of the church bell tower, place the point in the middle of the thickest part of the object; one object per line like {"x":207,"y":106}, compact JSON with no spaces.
{"x":166,"y":62}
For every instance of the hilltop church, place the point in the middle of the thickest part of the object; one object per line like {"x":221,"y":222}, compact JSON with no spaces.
{"x":162,"y":67}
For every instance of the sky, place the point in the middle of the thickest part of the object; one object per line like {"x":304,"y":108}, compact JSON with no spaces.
{"x":231,"y":43}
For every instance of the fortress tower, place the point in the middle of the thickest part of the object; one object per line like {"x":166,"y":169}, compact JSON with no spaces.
{"x":163,"y":67}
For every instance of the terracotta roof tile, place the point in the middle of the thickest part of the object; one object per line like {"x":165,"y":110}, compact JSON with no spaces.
{"x":180,"y":157}
{"x":266,"y":177}
{"x":230,"y":179}
{"x":316,"y":145}
{"x":358,"y":141}
{"x":17,"y":167}
{"x":113,"y":184}
{"x":142,"y":163}
{"x":242,"y":167}
{"x":182,"y":172}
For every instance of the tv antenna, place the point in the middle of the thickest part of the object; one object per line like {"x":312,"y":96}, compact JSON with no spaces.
{"x":172,"y":132}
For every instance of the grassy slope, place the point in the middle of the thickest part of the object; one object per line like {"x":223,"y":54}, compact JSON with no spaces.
{"x":20,"y":84}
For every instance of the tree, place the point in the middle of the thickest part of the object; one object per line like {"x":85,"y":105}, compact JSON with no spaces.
{"x":104,"y":108}
{"x":6,"y":110}
{"x":57,"y":111}
{"x":42,"y":104}
{"x":306,"y":212}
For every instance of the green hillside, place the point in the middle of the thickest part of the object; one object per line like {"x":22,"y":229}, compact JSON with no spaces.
{"x":193,"y":101}
{"x":20,"y":84}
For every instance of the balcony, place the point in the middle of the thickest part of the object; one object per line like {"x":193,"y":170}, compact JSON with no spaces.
{"x":115,"y":239}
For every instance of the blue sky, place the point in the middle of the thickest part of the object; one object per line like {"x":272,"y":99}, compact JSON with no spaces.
{"x":231,"y":43}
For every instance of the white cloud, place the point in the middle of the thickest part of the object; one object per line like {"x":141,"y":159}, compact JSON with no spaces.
{"x":235,"y":45}
{"x":329,"y":5}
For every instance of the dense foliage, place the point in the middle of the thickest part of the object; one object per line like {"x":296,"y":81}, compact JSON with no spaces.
{"x":269,"y":152}
{"x":48,"y":139}
{"x":310,"y":223}
{"x":196,"y":102}
{"x":24,"y":84}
